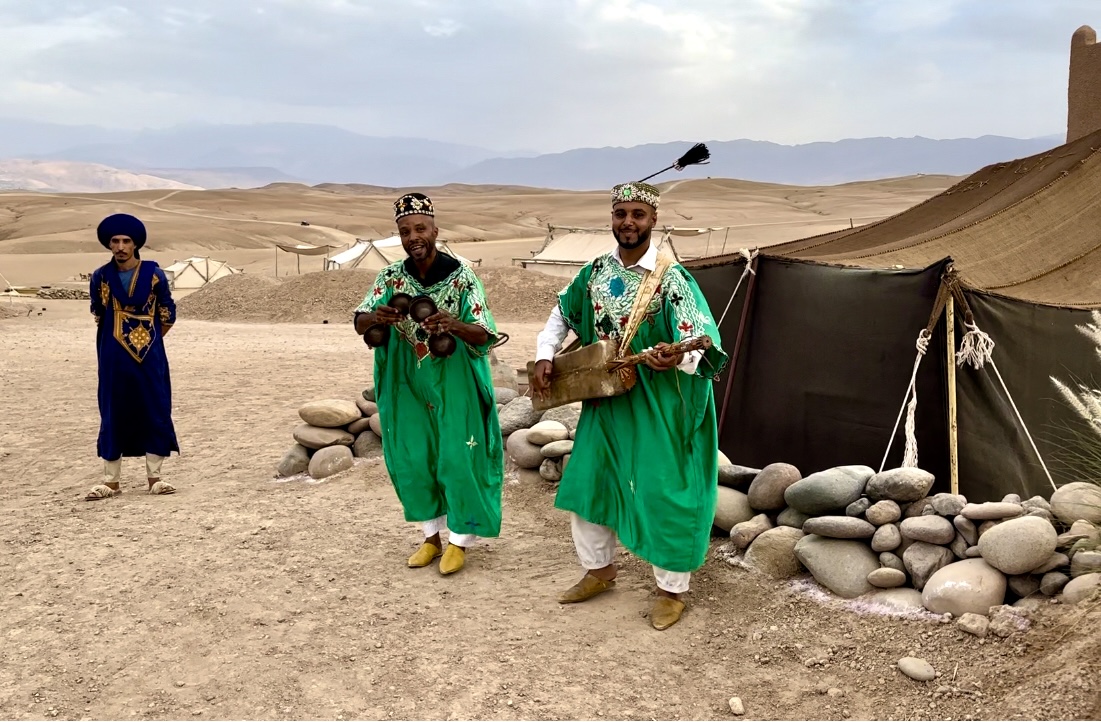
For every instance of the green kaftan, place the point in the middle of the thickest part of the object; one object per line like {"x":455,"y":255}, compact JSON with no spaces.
{"x":645,"y":464}
{"x":441,"y":438}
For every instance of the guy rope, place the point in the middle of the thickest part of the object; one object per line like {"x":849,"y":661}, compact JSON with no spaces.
{"x":976,"y":349}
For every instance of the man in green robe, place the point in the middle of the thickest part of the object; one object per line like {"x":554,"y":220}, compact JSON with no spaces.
{"x":644,"y":465}
{"x":441,"y":438}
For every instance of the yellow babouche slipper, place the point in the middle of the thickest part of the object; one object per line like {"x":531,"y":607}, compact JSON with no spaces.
{"x":452,"y":560}
{"x":424,"y":556}
{"x":665,"y":612}
{"x":586,"y":589}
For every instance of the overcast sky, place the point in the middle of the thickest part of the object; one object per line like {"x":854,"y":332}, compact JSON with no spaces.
{"x":550,"y":75}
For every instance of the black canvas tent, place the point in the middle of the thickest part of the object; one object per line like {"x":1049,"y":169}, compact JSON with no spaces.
{"x":826,"y":330}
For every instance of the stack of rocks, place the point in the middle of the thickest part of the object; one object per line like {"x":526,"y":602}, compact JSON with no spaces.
{"x":64,"y":294}
{"x":538,"y":440}
{"x":860,"y":533}
{"x":334,"y":432}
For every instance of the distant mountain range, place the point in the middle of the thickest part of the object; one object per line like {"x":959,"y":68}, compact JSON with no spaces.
{"x":244,"y":156}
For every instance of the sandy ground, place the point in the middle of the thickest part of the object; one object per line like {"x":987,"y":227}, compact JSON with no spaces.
{"x":242,"y":597}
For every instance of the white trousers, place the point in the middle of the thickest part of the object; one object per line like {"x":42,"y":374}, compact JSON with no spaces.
{"x":112,"y":470}
{"x":596,"y":549}
{"x":435,"y":526}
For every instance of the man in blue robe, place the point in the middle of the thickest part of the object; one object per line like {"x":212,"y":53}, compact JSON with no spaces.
{"x":133,"y":309}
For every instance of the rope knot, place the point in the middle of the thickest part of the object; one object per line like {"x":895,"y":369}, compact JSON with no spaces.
{"x":748,"y":255}
{"x":976,"y":347}
{"x":923,"y":341}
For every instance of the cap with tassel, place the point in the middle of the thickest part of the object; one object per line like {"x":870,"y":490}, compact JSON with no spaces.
{"x":642,"y":192}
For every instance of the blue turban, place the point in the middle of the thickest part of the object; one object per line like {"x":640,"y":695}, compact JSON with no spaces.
{"x":121,"y":224}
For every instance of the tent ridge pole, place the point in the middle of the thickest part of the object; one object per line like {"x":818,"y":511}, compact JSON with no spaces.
{"x":953,"y":453}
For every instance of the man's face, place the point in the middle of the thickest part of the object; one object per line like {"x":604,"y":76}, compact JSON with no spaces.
{"x":632,"y":223}
{"x":418,"y":236}
{"x":122,"y":248}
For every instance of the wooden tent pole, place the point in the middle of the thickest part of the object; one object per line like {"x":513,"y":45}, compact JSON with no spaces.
{"x":953,"y":454}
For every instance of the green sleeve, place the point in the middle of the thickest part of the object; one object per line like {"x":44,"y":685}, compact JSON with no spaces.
{"x":689,"y":316}
{"x":474,"y":310}
{"x":380,"y":292}
{"x":573,"y":300}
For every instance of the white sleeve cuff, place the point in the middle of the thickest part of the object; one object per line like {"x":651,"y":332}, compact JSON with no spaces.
{"x":690,"y":362}
{"x":550,"y":338}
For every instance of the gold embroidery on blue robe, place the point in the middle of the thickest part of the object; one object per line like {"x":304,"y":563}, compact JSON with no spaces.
{"x":135,"y":333}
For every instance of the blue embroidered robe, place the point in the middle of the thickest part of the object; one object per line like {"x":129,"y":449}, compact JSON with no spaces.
{"x":135,"y":391}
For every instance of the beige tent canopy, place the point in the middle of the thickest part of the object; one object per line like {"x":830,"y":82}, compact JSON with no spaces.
{"x":379,"y":253}
{"x":566,"y":249}
{"x":299,"y":250}
{"x":196,"y":272}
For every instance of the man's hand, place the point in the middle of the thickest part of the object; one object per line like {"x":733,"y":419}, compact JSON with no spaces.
{"x":540,"y":380}
{"x":388,"y":315}
{"x":658,"y":360}
{"x":382,"y":314}
{"x":442,"y":322}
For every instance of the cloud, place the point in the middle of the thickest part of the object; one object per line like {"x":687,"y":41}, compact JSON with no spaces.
{"x":548,"y":74}
{"x":443,"y":28}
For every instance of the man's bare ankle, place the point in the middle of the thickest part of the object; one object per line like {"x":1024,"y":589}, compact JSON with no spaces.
{"x":606,"y":574}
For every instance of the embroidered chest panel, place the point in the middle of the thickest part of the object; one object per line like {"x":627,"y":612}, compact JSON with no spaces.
{"x":447,"y":294}
{"x":612,"y":290}
{"x":135,"y":328}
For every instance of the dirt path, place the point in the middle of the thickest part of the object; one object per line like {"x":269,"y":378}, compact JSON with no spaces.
{"x":341,"y":237}
{"x":243,"y":598}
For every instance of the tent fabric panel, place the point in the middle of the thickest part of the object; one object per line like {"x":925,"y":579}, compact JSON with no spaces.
{"x":1032,"y":343}
{"x":352,"y":254}
{"x":1028,"y":228}
{"x":305,"y":249}
{"x":825,"y":364}
{"x":579,"y":248}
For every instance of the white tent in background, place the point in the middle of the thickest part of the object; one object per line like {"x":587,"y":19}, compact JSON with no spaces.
{"x":377,"y":254}
{"x":196,"y":272}
{"x":565,"y":250}
{"x":349,"y":258}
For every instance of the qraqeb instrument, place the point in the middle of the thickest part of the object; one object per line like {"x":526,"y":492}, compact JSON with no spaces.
{"x":594,"y":372}
{"x":440,"y":345}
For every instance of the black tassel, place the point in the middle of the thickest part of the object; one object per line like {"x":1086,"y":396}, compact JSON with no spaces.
{"x":696,"y":155}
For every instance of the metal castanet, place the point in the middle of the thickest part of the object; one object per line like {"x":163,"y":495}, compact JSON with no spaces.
{"x":376,"y":335}
{"x":442,"y":345}
{"x":699,"y":343}
{"x":421,"y":307}
{"x":401,"y":302}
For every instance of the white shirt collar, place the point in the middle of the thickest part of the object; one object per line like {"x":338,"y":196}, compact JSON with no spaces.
{"x":648,"y":262}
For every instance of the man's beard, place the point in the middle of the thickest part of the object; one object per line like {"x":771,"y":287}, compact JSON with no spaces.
{"x":642,"y":238}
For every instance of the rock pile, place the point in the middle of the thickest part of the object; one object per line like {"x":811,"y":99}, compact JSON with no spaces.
{"x":536,"y":439}
{"x":543,"y":440}
{"x":333,"y":433}
{"x":880,"y":536}
{"x":64,"y":294}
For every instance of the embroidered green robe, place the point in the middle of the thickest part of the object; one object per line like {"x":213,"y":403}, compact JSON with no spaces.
{"x":441,"y":438}
{"x":645,"y":464}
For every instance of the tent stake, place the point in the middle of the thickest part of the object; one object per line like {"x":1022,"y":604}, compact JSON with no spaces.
{"x":953,"y":454}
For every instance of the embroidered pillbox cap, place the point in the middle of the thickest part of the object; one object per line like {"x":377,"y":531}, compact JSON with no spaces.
{"x":636,"y":192}
{"x":412,"y":204}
